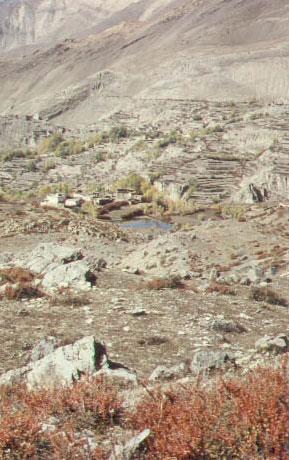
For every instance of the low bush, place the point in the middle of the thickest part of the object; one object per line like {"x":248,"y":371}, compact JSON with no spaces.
{"x":50,"y":144}
{"x":16,"y":275}
{"x":235,"y":211}
{"x":92,"y":404}
{"x":171,"y":138}
{"x":31,"y":166}
{"x":118,"y":132}
{"x":268,"y":295}
{"x":234,"y":419}
{"x":223,"y":289}
{"x":133,"y":181}
{"x":157,"y":284}
{"x":12,"y":154}
{"x":19,"y":284}
{"x":23,"y":291}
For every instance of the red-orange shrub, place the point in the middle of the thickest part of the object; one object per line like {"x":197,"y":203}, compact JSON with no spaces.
{"x":92,"y":404}
{"x":245,"y":419}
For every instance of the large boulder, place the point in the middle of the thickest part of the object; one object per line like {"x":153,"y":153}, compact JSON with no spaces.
{"x":168,"y":255}
{"x":206,"y":360}
{"x":61,"y":266}
{"x":62,"y":366}
{"x":279,"y":344}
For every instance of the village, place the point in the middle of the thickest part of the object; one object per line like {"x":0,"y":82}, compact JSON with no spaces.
{"x":104,"y":202}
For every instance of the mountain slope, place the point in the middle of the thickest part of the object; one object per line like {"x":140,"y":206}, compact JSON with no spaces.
{"x":216,"y":49}
{"x":39,"y":22}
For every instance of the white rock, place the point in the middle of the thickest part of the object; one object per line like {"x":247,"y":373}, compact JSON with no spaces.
{"x":61,"y":367}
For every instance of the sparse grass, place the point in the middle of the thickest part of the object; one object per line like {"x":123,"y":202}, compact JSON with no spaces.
{"x":97,"y":139}
{"x":100,"y":156}
{"x":31,"y":166}
{"x":153,"y":134}
{"x":48,"y":165}
{"x":172,"y":138}
{"x":268,"y":295}
{"x":69,"y":299}
{"x":139,"y":146}
{"x":153,"y":340}
{"x":211,"y":130}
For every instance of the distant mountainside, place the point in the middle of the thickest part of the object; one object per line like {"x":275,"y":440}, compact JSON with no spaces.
{"x":36,"y":22}
{"x":89,"y":57}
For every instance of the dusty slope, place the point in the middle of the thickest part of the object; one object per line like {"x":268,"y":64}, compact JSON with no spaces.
{"x":38,"y":22}
{"x":161,"y":49}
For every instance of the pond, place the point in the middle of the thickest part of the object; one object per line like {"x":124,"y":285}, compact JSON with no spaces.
{"x":151,"y":226}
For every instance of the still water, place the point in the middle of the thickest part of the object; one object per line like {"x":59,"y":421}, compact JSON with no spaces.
{"x":147,"y":225}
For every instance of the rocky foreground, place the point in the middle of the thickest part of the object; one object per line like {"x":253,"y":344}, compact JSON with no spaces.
{"x":86,"y":299}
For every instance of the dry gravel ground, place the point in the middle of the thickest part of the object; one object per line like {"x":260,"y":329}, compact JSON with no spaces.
{"x":144,"y":328}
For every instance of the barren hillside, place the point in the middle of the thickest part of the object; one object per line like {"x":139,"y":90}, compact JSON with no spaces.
{"x":159,"y":49}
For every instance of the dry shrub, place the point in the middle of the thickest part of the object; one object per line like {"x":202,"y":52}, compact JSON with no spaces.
{"x":238,"y":418}
{"x":19,"y":284}
{"x":92,"y":404}
{"x":67,"y":444}
{"x":20,"y":432}
{"x":265,"y":294}
{"x":132,"y":214}
{"x":157,"y":284}
{"x":189,"y":287}
{"x":15,"y":275}
{"x":23,"y":291}
{"x":222,"y":289}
